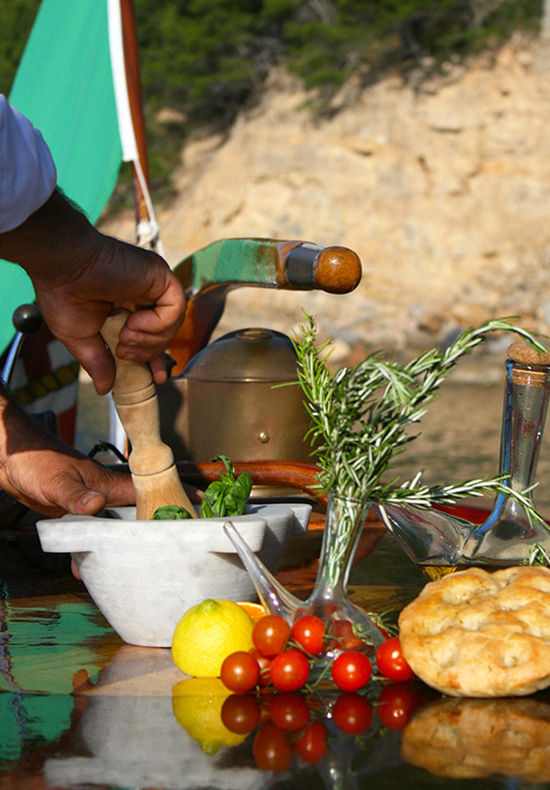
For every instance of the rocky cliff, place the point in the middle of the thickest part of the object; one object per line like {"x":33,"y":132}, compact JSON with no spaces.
{"x":442,"y":188}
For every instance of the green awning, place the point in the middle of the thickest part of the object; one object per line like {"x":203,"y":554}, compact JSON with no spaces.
{"x":65,"y":86}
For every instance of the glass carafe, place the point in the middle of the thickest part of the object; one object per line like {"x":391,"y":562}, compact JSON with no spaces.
{"x":347,"y":625}
{"x":434,"y":538}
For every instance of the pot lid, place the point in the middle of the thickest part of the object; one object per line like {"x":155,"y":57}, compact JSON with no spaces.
{"x":245,"y":355}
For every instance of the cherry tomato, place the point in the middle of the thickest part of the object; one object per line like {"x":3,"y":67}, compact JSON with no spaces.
{"x":390,"y":661}
{"x":309,"y":632}
{"x":264,"y":662}
{"x":397,"y":703}
{"x":270,"y":634}
{"x":290,"y":711}
{"x":342,"y":633}
{"x":272,"y":749}
{"x":289,"y":670}
{"x":240,"y":713}
{"x":312,"y":744}
{"x":351,"y":670}
{"x":352,"y":713}
{"x":240,"y":672}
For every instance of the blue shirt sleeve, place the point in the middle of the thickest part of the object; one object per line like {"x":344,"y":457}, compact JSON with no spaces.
{"x":27,"y":170}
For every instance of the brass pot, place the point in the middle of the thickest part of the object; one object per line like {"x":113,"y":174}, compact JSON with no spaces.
{"x":227,"y":401}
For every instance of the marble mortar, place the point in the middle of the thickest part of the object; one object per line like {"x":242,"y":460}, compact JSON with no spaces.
{"x":144,"y":575}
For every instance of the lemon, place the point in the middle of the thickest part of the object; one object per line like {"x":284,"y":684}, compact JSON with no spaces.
{"x":207,"y":633}
{"x":198,"y":707}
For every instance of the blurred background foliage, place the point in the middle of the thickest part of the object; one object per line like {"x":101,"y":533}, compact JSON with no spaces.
{"x":202,"y":60}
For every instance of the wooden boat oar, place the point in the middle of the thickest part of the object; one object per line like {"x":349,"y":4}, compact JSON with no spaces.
{"x":151,"y":461}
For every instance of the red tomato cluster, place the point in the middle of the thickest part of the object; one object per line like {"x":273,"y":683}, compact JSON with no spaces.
{"x":282,"y":656}
{"x":288,"y":723}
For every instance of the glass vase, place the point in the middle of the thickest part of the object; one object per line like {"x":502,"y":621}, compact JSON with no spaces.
{"x":347,"y":625}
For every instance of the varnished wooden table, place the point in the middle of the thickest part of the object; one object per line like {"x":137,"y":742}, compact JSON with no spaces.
{"x":81,"y":709}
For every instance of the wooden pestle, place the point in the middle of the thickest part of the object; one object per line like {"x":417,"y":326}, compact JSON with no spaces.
{"x":151,"y":462}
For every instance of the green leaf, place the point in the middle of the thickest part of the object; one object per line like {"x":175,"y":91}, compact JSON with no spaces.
{"x":171,"y":512}
{"x":227,"y":496}
{"x":538,"y":556}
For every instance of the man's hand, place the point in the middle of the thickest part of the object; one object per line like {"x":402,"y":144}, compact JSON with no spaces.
{"x":80,"y":275}
{"x":116,"y":275}
{"x":45,"y":474}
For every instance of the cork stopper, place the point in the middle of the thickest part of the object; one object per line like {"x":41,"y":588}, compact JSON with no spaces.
{"x":524,"y":354}
{"x":534,"y":364}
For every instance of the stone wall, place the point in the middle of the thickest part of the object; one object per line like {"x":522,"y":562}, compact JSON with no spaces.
{"x":442,"y":190}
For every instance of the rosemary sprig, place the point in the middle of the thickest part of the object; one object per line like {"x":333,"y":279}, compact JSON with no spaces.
{"x":360,"y":415}
{"x":538,"y":556}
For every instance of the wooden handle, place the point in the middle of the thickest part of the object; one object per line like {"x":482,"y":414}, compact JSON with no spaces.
{"x":336,"y":270}
{"x":292,"y":474}
{"x":156,"y":479}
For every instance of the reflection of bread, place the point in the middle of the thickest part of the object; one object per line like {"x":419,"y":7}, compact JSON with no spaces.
{"x":479,"y":634}
{"x":477,"y":738}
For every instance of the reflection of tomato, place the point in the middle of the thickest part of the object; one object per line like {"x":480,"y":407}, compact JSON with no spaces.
{"x":272,"y":750}
{"x":312,"y":745}
{"x":264,"y":662}
{"x":266,"y":701}
{"x":397,"y":703}
{"x":351,"y":670}
{"x":289,"y":670}
{"x":270,"y":634}
{"x":309,"y":632}
{"x":314,"y":703}
{"x":240,"y":672}
{"x":342,"y":631}
{"x":240,"y":713}
{"x":391,"y":662}
{"x":289,"y":711}
{"x":352,"y":713}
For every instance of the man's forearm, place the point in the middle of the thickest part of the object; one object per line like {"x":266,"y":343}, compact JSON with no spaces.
{"x":15,"y":426}
{"x":80,"y":275}
{"x":53,"y":242}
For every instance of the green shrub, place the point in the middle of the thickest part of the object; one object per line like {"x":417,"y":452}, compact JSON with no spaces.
{"x":201,"y":60}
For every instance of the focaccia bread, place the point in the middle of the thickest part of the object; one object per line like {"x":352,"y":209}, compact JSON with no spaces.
{"x":476,"y":738}
{"x":480,"y":634}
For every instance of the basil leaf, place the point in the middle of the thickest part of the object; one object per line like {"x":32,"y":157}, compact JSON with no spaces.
{"x":240,"y":491}
{"x":227,"y":496}
{"x":171,"y":512}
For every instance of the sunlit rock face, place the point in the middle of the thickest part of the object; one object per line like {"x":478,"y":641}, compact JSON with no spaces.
{"x":442,"y":187}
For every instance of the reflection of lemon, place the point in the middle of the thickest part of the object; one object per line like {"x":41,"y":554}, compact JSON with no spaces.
{"x":255,"y":610}
{"x":196,"y":687}
{"x":209,"y":632}
{"x":197,"y":705}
